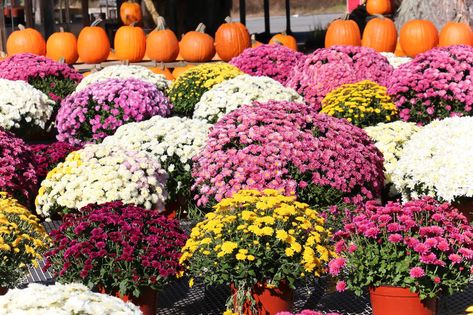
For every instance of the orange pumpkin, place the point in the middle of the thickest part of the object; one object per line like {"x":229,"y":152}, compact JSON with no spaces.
{"x":196,"y":46}
{"x":231,"y":39}
{"x":130,"y":43}
{"x":399,"y":52}
{"x":254,"y":42}
{"x":343,"y":32}
{"x":180,"y":70}
{"x":112,"y":56}
{"x":62,"y":45}
{"x":92,"y":44}
{"x":164,"y":71}
{"x":26,"y":40}
{"x":285,"y":40}
{"x":418,"y":36}
{"x":374,"y":7}
{"x":456,"y":33}
{"x":380,"y":34}
{"x":162,"y":44}
{"x":130,"y":12}
{"x":86,"y":73}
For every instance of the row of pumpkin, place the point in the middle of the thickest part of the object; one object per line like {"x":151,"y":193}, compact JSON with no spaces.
{"x":132,"y":44}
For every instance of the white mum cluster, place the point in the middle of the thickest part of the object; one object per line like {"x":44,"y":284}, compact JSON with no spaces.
{"x":438,"y":161}
{"x":172,"y":141}
{"x":241,"y":90}
{"x":23,"y":106}
{"x":390,"y":139}
{"x":60,"y":299}
{"x":103,"y":173}
{"x":126,"y":72}
{"x":394,"y":60}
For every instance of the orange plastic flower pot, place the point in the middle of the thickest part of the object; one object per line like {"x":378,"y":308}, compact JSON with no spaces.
{"x":268,"y":301}
{"x":394,"y":301}
{"x":146,"y":301}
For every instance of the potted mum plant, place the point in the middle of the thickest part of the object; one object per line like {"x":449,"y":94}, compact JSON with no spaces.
{"x":119,"y":249}
{"x":258,"y":243}
{"x":407,"y":255}
{"x":22,"y":241}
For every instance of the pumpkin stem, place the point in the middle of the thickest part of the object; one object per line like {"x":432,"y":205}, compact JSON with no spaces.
{"x":62,"y":60}
{"x":284,"y":33}
{"x":200,"y":28}
{"x":133,"y":24}
{"x":21,"y":27}
{"x":228,"y":19}
{"x":346,"y":16}
{"x":2,"y":54}
{"x":379,"y":16}
{"x":161,"y":24}
{"x":61,"y":29}
{"x":459,"y":18}
{"x":96,"y":22}
{"x":253,"y":39}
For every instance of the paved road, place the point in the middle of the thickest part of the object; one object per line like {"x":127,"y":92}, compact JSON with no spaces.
{"x":299,"y":23}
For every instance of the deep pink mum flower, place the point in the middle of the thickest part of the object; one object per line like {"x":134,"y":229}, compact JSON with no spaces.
{"x":341,"y":286}
{"x":47,"y":156}
{"x":274,"y":61}
{"x":417,"y":272}
{"x":328,"y":68}
{"x":336,"y":265}
{"x":436,"y":84}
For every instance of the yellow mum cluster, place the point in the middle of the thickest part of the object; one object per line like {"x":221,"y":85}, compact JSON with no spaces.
{"x":22,"y":240}
{"x":189,"y":87}
{"x":258,"y":234}
{"x":364,"y":104}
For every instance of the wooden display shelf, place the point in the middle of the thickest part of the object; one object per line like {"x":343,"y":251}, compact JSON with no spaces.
{"x":84,"y":67}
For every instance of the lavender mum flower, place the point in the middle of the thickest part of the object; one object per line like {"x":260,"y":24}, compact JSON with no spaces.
{"x":98,"y":110}
{"x":329,"y":68}
{"x":274,"y":61}
{"x":436,"y":84}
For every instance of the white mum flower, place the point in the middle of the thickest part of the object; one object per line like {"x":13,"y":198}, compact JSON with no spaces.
{"x":87,"y":176}
{"x":60,"y":299}
{"x":241,"y":90}
{"x":126,"y":72}
{"x":438,"y":161}
{"x":23,"y":106}
{"x":394,"y":60}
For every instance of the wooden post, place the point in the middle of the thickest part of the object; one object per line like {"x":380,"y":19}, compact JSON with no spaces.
{"x":85,"y":12}
{"x":67,"y":15}
{"x":243,"y":11}
{"x":3,"y":31}
{"x":288,"y":17}
{"x":47,"y":15}
{"x":267,"y":29}
{"x":29,"y":13}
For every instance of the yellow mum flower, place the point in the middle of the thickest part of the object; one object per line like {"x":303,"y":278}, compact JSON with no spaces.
{"x":229,"y":247}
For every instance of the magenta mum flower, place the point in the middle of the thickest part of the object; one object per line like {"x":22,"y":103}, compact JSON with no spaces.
{"x":417,"y":272}
{"x":341,"y":286}
{"x":57,"y":80}
{"x":98,"y":110}
{"x":47,"y":156}
{"x":436,"y":84}
{"x":17,"y":170}
{"x":274,"y":61}
{"x":283,"y":145}
{"x":329,"y":68}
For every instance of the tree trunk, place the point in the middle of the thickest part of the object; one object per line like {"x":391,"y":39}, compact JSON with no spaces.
{"x":437,"y":11}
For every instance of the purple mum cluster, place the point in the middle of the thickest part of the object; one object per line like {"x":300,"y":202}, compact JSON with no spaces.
{"x":284,"y":145}
{"x":98,"y":110}
{"x":329,"y":68}
{"x":436,"y":84}
{"x":17,"y":174}
{"x":28,"y":67}
{"x":274,"y":61}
